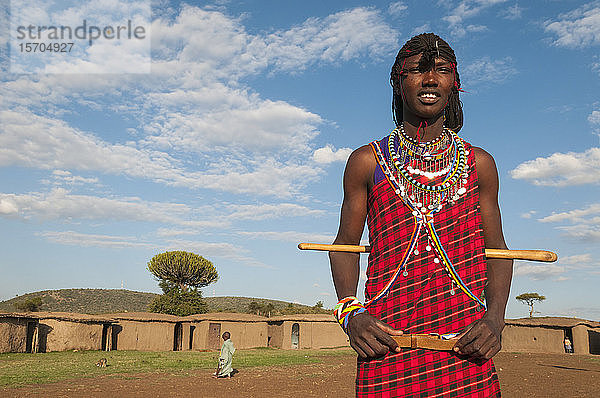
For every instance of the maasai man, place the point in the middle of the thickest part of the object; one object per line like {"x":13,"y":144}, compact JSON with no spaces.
{"x":224,"y":368}
{"x":431,"y":204}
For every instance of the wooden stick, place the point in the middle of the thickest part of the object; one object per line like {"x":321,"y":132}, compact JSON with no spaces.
{"x":532,"y":255}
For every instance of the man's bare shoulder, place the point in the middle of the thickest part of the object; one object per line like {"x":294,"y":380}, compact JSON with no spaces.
{"x":483,"y":159}
{"x":487,"y":173}
{"x":364,"y":154}
{"x":360,"y":166}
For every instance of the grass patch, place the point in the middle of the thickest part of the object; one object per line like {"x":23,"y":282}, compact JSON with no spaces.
{"x":18,"y":369}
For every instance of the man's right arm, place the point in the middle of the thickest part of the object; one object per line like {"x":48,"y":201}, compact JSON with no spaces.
{"x":369,"y":336}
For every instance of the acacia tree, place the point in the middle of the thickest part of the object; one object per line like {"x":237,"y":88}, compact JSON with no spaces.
{"x":184,"y":269}
{"x":530,"y":299}
{"x":181,"y":275}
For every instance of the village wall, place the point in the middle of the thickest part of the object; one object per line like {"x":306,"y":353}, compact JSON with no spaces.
{"x":143,"y":336}
{"x":311,"y":335}
{"x":581,"y":344}
{"x":518,"y":338}
{"x":275,"y":330}
{"x":13,"y":335}
{"x":243,"y":334}
{"x":322,"y":335}
{"x":63,"y":335}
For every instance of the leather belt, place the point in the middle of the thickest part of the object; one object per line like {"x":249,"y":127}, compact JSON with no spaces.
{"x":426,"y":341}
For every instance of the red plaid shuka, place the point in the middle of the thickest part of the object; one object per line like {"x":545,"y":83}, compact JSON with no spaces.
{"x":421,"y":302}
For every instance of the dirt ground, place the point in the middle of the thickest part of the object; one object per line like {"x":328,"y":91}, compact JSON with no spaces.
{"x":521,"y":375}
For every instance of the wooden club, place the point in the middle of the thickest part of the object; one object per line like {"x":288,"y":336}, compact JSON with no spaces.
{"x":531,"y":255}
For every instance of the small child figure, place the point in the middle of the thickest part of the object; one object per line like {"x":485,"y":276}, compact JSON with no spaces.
{"x":568,"y":346}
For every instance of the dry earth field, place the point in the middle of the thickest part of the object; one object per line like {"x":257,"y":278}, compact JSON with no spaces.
{"x":521,"y":375}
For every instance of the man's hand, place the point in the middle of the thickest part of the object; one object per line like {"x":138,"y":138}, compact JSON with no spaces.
{"x":370,"y":337}
{"x":481,"y":339}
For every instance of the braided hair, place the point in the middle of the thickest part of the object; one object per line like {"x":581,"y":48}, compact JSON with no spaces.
{"x":431,"y":46}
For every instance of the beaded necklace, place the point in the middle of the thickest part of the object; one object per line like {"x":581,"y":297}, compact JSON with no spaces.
{"x":429,"y":173}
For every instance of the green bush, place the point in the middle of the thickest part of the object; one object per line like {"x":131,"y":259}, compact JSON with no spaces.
{"x":180,"y":303}
{"x":32,"y":304}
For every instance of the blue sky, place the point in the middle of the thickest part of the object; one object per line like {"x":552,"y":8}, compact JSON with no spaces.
{"x":233,"y":145}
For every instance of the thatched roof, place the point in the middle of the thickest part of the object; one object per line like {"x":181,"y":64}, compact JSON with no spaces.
{"x":16,"y":315}
{"x":62,"y":316}
{"x":555,"y":322}
{"x":226,"y":317}
{"x":305,"y":318}
{"x":146,"y":317}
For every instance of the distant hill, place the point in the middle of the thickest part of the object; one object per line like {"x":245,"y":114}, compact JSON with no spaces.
{"x":99,"y":301}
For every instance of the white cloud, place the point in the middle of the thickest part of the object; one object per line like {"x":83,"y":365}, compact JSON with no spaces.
{"x":64,"y":177}
{"x":94,"y":240}
{"x":193,"y":102}
{"x":31,"y":140}
{"x":60,"y":204}
{"x":35,"y":141}
{"x":585,"y":215}
{"x":267,"y":211}
{"x":538,"y":271}
{"x":561,"y":169}
{"x":577,"y":28}
{"x":467,"y":9}
{"x":596,"y":67}
{"x":421,"y":29}
{"x":576,"y":259}
{"x":289,"y":236}
{"x":338,"y":37}
{"x":246,"y":122}
{"x":397,"y":9}
{"x":328,"y":154}
{"x":170,"y":232}
{"x":529,"y":214}
{"x":513,"y":12}
{"x":215,"y":249}
{"x":8,"y":207}
{"x":104,"y":56}
{"x":594,"y":118}
{"x":585,"y":223}
{"x":582,"y":232}
{"x":487,"y":70}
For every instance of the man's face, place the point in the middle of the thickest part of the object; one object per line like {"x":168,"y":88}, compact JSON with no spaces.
{"x":425,"y":93}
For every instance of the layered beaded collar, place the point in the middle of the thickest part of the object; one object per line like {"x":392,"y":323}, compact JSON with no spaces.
{"x":427,"y":174}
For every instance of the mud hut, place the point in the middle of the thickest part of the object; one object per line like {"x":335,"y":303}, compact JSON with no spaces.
{"x":61,"y":331}
{"x":306,"y":331}
{"x":205,"y":330}
{"x":145,"y":331}
{"x":18,"y":332}
{"x":547,"y":334}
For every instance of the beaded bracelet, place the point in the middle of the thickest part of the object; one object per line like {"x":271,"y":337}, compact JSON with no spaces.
{"x":347,"y":308}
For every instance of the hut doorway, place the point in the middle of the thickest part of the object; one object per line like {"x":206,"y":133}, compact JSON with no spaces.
{"x":295,"y":336}
{"x":107,"y":337}
{"x":178,"y":337}
{"x":594,"y":339}
{"x":31,"y":342}
{"x":191,"y":337}
{"x":569,"y":335}
{"x":214,"y":336}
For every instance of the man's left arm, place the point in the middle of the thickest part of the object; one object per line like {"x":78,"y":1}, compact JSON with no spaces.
{"x":481,"y":340}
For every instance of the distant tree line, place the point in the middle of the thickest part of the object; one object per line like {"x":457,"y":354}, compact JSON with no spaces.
{"x":269,"y":310}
